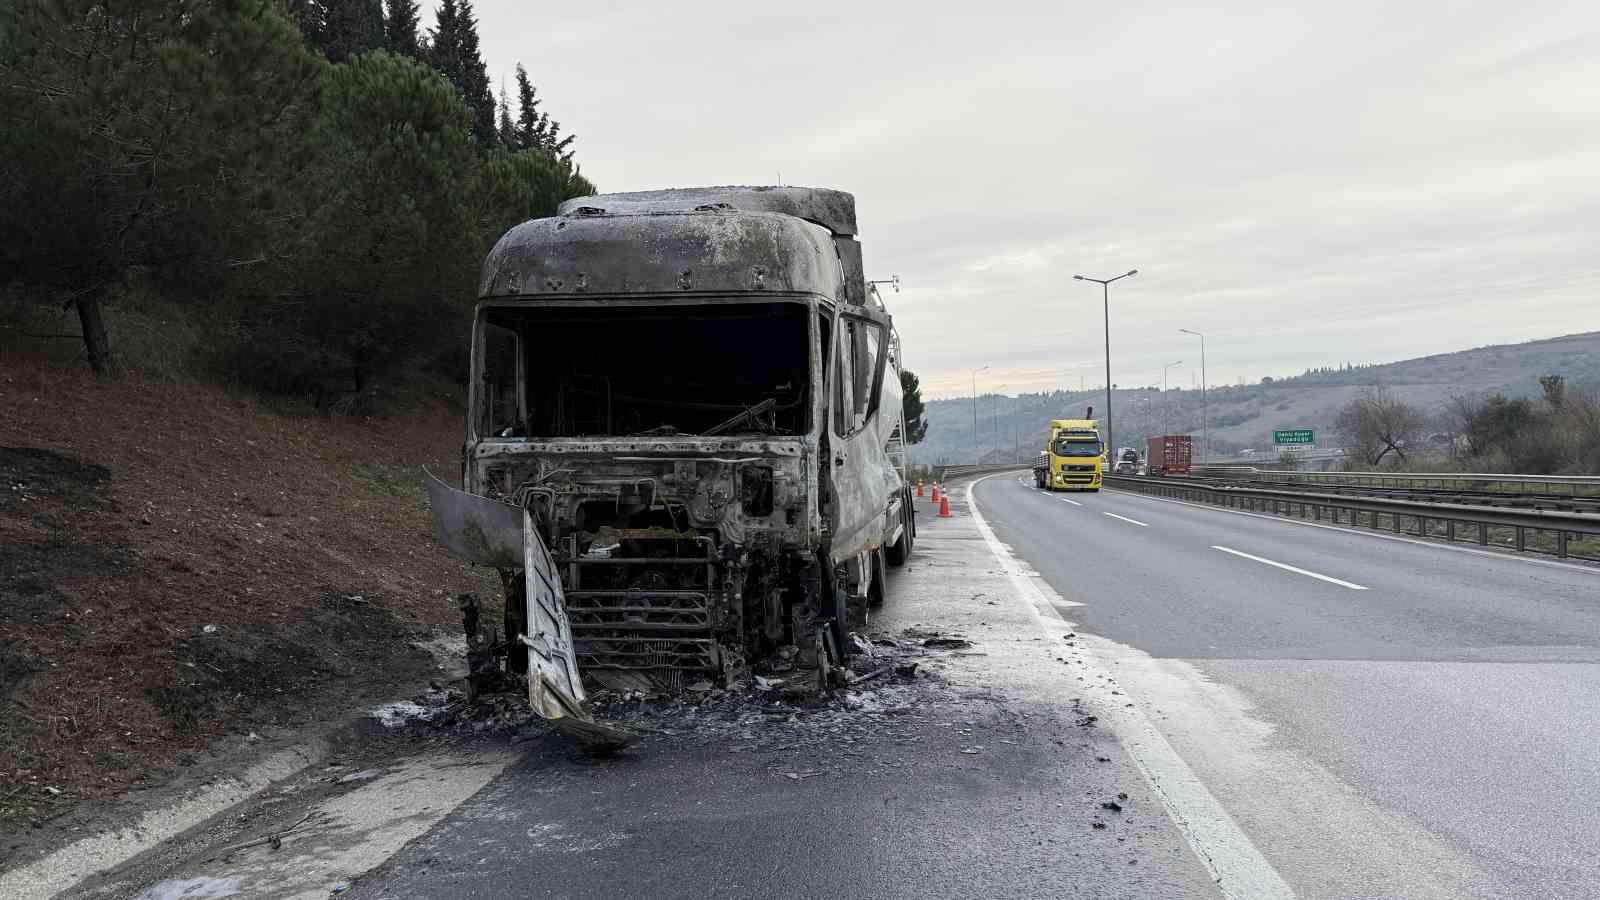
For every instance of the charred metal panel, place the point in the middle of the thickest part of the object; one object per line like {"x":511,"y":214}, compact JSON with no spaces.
{"x":718,"y":251}
{"x":833,"y":210}
{"x":476,"y":528}
{"x":554,"y":688}
{"x":855,"y":278}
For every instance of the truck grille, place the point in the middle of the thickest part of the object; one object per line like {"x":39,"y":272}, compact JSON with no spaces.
{"x":656,"y":608}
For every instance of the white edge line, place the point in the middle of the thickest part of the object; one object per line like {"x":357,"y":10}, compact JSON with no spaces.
{"x":1125,"y":519}
{"x":1237,"y":866}
{"x":1261,"y":559}
{"x":1366,"y":532}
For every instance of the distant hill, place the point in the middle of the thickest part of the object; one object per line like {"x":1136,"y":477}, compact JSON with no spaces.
{"x":1245,"y":416}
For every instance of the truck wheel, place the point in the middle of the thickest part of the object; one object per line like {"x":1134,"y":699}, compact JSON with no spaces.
{"x":900,"y":550}
{"x":880,"y":575}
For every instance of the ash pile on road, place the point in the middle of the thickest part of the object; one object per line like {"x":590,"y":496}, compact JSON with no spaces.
{"x":776,"y":707}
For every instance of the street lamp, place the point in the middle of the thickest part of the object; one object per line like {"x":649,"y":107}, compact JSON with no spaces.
{"x":1205,"y":420}
{"x":995,"y":414}
{"x":1166,"y":402}
{"x":1105,"y":297}
{"x":976,"y":457}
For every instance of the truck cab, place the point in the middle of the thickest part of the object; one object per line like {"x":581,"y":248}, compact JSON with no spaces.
{"x":692,"y":394}
{"x":1077,"y":456}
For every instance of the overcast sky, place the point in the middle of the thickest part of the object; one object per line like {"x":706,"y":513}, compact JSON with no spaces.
{"x":1308,"y":183}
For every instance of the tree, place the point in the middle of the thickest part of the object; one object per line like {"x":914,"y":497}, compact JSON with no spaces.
{"x":536,"y":130}
{"x":351,"y":27}
{"x":400,"y":28}
{"x":1555,"y":390}
{"x":531,"y":124}
{"x":506,"y":128}
{"x":1377,"y":423}
{"x":160,"y":160}
{"x":454,"y":52}
{"x":385,"y":236}
{"x":916,"y":422}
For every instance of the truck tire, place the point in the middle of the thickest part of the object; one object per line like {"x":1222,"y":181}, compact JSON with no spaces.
{"x":880,"y":577}
{"x":900,"y":550}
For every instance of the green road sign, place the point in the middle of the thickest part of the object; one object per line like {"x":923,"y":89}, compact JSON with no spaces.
{"x":1294,"y":436}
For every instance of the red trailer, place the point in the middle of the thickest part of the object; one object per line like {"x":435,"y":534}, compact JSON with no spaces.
{"x":1170,"y":454}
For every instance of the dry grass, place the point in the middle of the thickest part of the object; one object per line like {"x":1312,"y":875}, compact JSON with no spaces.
{"x":306,"y":540}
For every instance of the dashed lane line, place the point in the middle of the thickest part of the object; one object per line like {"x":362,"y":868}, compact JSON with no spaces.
{"x":1285,"y":566}
{"x":1126,"y":519}
{"x":1065,"y":500}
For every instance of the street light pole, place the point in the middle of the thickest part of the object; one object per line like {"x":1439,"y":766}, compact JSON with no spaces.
{"x":1205,"y":419}
{"x":977,"y":458}
{"x":1105,"y":298}
{"x":1166,"y":402}
{"x":995,"y":415}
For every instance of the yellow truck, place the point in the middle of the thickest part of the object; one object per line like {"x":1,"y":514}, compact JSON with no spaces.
{"x":1074,"y":456}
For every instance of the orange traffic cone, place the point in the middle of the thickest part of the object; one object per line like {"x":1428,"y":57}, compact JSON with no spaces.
{"x":919,"y":487}
{"x":936,"y":493}
{"x":944,"y":507}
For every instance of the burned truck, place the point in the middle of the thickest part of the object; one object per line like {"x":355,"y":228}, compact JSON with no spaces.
{"x":680,"y":448}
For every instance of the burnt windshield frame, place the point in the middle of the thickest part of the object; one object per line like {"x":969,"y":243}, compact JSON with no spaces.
{"x":598,"y":366}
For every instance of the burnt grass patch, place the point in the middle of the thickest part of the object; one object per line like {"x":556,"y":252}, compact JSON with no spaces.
{"x":244,"y":674}
{"x":181,"y":566}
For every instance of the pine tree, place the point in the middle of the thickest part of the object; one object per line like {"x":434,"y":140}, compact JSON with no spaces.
{"x":400,"y":28}
{"x":444,"y":43}
{"x":536,"y":130}
{"x":530,"y":124}
{"x":456,"y":55}
{"x":507,"y":128}
{"x":351,"y":27}
{"x":916,"y":423}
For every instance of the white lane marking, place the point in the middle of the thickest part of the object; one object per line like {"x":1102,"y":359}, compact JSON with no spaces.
{"x":1238,"y":868}
{"x":1363,"y":532}
{"x":1260,"y":559}
{"x":1064,"y":500}
{"x":1125,"y":519}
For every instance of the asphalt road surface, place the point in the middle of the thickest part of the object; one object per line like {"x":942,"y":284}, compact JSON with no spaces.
{"x":986,"y":780}
{"x":1382,"y":718}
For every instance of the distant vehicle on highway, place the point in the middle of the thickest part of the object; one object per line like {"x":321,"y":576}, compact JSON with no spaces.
{"x":1170,"y":454}
{"x":1248,"y":452}
{"x":1127,"y":461}
{"x":1075,"y":456}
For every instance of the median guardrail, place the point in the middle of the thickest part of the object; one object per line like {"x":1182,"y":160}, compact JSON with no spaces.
{"x":951,"y":473}
{"x":1557,"y":532}
{"x":1576,"y":486}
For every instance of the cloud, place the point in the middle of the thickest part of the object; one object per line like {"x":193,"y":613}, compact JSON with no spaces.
{"x":1307,"y":183}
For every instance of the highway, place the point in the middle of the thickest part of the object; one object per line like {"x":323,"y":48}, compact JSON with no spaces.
{"x":1381,"y":717}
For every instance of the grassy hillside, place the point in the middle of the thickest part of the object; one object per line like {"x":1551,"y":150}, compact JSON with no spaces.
{"x":179,"y":562}
{"x":1245,"y":416}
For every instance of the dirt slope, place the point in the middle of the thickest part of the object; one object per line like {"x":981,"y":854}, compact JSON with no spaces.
{"x":178,"y":563}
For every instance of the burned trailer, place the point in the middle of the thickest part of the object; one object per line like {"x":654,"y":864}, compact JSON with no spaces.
{"x":689,"y":396}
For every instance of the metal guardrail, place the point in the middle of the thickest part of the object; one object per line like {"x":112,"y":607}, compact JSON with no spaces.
{"x":1465,"y":482}
{"x":949,"y":473}
{"x":1551,"y":531}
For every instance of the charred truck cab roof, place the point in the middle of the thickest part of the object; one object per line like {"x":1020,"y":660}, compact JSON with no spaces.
{"x":689,"y":394}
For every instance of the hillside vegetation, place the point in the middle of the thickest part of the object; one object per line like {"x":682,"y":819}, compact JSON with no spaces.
{"x":299,"y":194}
{"x":1245,"y":415}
